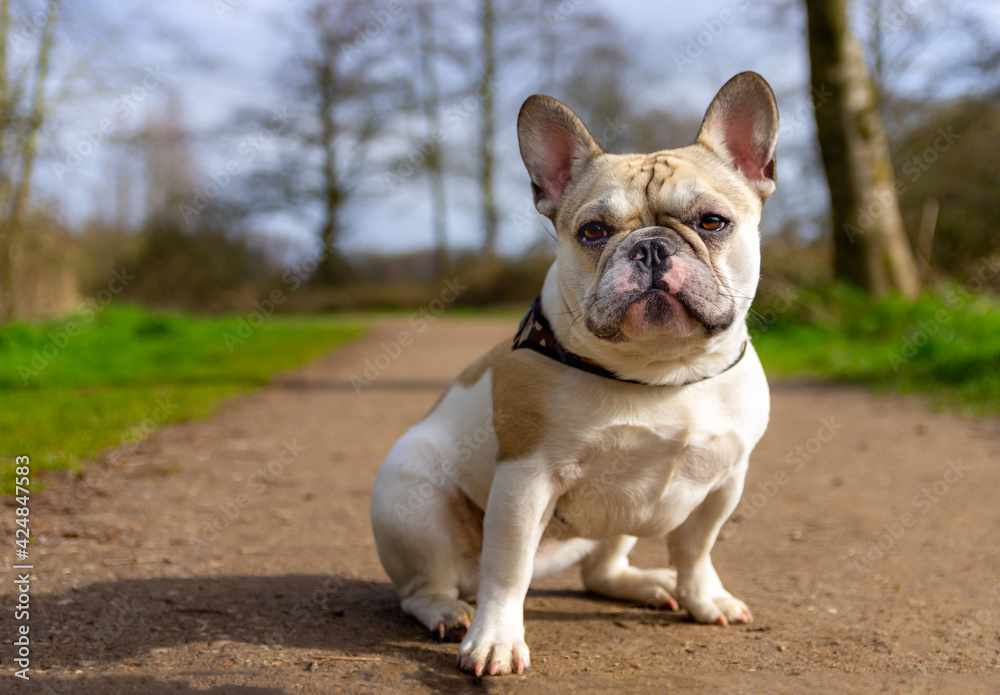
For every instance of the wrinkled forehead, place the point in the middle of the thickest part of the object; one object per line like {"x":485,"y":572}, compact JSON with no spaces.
{"x":633,"y":191}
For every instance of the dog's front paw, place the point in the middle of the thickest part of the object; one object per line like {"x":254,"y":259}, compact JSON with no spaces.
{"x":723,"y":609}
{"x":493,"y":650}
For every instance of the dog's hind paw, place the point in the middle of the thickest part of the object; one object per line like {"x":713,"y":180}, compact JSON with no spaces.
{"x":454,"y":628}
{"x":653,"y":588}
{"x":724,"y":609}
{"x":447,"y":618}
{"x":454,"y":622}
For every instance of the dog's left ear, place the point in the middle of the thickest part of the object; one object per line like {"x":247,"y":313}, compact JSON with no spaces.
{"x":555,"y":146}
{"x":741,"y":126}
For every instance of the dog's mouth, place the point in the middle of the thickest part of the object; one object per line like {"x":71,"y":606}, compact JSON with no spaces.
{"x":680,"y":298}
{"x":659,"y":306}
{"x":649,"y":310}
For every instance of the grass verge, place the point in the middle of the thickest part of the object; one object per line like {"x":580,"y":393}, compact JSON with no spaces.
{"x":946,"y":344}
{"x":71,"y":388}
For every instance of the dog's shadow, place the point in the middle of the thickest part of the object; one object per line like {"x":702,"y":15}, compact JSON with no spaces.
{"x":111,"y":622}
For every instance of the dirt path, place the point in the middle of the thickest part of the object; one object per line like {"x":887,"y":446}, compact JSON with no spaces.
{"x":235,"y":556}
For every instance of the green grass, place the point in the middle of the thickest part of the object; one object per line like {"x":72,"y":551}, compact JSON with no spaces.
{"x":125,"y":371}
{"x":946,"y":344}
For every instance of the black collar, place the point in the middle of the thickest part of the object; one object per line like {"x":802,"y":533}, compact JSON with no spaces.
{"x":535,"y":333}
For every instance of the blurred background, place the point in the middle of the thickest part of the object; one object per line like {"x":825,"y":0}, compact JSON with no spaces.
{"x":352,"y":153}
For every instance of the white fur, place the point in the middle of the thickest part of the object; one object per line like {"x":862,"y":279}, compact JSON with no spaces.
{"x":615,"y":460}
{"x":636,"y":461}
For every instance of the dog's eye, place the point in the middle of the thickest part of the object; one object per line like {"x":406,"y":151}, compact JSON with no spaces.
{"x":713,"y":223}
{"x":592,"y":232}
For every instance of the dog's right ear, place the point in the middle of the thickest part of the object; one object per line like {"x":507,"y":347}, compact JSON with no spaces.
{"x":555,"y":145}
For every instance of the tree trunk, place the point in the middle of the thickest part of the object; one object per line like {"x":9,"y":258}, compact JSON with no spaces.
{"x":431,"y":108}
{"x":491,"y":218}
{"x":334,"y":269}
{"x":869,"y":241}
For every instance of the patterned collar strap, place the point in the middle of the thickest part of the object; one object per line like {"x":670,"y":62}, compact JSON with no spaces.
{"x":535,"y":333}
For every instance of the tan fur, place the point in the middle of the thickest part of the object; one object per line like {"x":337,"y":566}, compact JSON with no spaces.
{"x":521,"y":383}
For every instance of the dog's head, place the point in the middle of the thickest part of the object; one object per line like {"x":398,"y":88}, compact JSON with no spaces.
{"x":658,"y":254}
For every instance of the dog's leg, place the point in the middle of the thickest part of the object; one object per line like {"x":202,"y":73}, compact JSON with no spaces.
{"x":427,"y":569}
{"x":699,"y":589}
{"x":521,"y":499}
{"x":606,"y":571}
{"x":428,"y":538}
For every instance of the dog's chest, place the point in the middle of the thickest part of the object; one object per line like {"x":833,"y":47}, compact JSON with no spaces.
{"x":643,"y":481}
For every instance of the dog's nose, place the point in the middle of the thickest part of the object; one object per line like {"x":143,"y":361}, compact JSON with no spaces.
{"x":654,"y":253}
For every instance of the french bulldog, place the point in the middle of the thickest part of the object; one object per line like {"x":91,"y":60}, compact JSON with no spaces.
{"x":626,"y":406}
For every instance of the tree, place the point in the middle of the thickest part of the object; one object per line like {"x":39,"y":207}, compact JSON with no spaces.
{"x":23,"y":110}
{"x":507,"y":38}
{"x":487,"y":144}
{"x":902,"y":37}
{"x":578,"y":54}
{"x":430,"y":107}
{"x":590,"y":55}
{"x":871,"y":249}
{"x":54,"y":57}
{"x":168,"y":163}
{"x":341,"y":73}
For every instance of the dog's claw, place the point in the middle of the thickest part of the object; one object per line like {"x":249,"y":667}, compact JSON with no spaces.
{"x":721,"y":620}
{"x":493,"y":656}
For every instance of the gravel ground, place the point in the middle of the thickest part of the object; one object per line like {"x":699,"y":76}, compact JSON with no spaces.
{"x":235,"y":555}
